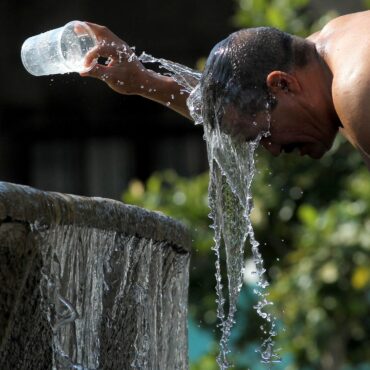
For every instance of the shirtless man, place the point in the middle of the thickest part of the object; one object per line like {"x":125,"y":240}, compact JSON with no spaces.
{"x":309,"y":88}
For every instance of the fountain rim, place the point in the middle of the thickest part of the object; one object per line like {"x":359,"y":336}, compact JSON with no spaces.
{"x":22,"y":203}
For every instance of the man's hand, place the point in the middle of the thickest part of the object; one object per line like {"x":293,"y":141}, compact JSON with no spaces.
{"x":122,"y":70}
{"x":125,"y":74}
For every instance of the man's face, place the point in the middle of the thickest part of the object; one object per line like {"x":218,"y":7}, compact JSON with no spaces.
{"x":284,"y":130}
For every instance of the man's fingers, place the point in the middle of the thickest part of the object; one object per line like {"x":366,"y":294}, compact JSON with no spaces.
{"x":98,"y":71}
{"x":101,"y":50}
{"x":96,"y":27}
{"x":91,"y":56}
{"x":109,"y":46}
{"x":109,"y":50}
{"x":103,"y":33}
{"x":79,"y":27}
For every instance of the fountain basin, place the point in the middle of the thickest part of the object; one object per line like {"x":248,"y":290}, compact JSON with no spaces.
{"x":90,"y":283}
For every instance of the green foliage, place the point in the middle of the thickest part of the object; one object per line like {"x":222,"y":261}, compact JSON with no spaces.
{"x":294,"y":16}
{"x":321,"y":284}
{"x":182,"y":198}
{"x":366,"y":4}
{"x":207,"y":362}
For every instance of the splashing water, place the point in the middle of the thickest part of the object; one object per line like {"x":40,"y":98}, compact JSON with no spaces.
{"x":232,"y":168}
{"x":186,"y":77}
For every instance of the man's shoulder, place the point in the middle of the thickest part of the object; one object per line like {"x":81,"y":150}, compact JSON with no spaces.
{"x":349,"y":60}
{"x":345,"y":38}
{"x":351,"y":97}
{"x":345,"y":20}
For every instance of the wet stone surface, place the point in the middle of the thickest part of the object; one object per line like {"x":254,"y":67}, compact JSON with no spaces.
{"x":83,"y":285}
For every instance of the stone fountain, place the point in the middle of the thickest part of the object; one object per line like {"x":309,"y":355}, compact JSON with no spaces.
{"x":90,"y":283}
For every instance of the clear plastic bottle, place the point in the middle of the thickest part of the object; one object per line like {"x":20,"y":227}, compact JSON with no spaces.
{"x":58,"y":51}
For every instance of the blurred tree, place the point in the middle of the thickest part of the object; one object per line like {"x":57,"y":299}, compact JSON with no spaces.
{"x":293,"y":16}
{"x":315,"y":219}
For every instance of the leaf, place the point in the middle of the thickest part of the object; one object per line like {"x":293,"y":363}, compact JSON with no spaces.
{"x":360,"y":277}
{"x":308,"y":215}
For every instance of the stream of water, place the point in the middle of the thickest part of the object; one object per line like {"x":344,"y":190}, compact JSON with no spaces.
{"x":232,"y":168}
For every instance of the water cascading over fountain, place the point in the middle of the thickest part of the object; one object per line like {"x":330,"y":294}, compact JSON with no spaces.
{"x":90,"y":283}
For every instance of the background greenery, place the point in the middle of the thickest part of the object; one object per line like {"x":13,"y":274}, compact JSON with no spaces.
{"x":312,"y":219}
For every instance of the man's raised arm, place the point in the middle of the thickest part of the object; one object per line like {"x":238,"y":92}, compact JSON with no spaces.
{"x":125,"y":74}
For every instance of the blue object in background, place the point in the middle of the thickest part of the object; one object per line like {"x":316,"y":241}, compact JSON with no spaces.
{"x":200,"y":341}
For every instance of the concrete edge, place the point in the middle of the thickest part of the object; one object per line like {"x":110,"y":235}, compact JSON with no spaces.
{"x":27,"y":204}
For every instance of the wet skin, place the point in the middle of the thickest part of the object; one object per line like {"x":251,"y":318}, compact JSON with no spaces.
{"x":289,"y":131}
{"x":304,"y":117}
{"x":330,"y":93}
{"x":281,"y":131}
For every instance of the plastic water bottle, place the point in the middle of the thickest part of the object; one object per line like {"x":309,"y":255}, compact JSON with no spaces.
{"x":58,"y":51}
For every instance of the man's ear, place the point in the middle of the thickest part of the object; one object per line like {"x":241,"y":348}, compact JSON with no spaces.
{"x":282,"y":82}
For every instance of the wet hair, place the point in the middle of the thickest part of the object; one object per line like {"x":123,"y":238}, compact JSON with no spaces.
{"x":237,"y":68}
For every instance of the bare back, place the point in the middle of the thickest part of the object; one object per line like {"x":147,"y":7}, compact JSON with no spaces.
{"x":344,"y":44}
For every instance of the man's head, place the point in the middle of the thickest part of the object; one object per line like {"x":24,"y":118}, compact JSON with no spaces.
{"x":249,"y":77}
